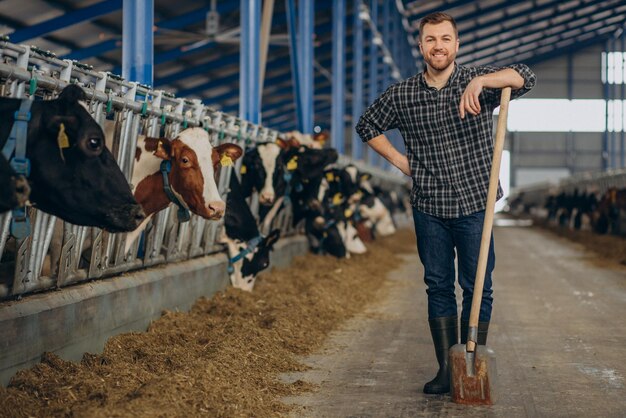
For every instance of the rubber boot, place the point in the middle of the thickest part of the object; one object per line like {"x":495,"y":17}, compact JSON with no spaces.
{"x":445,"y":334}
{"x":483,"y":329}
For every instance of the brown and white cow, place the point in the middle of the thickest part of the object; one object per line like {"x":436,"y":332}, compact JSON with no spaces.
{"x":193,"y":177}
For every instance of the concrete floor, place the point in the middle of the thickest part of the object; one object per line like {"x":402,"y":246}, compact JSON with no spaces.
{"x":558,"y":331}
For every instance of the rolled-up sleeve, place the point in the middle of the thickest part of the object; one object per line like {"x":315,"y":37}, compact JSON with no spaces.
{"x":379,"y":117}
{"x":530,"y":79}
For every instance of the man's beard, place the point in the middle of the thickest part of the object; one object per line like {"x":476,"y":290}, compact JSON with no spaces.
{"x":440,"y":65}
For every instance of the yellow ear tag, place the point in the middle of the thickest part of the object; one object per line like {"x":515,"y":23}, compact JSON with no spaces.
{"x":226,"y":160}
{"x":244,"y":169}
{"x":62,"y":140}
{"x":330,"y":176}
{"x":337,"y":199}
{"x":347,"y":213}
{"x":293,"y":163}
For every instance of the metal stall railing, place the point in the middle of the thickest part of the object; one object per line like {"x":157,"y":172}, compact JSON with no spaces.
{"x":57,"y":253}
{"x":83,"y":253}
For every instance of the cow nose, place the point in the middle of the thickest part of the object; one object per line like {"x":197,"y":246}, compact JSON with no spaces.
{"x":266,"y":198}
{"x":216,"y":209}
{"x":138,"y":214}
{"x":22,"y":190}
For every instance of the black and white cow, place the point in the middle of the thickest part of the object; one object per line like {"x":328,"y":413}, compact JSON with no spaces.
{"x":248,"y":250}
{"x":14,"y":189}
{"x":73,"y":175}
{"x":284,"y":170}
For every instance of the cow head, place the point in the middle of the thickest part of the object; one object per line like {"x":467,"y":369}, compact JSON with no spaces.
{"x":14,"y":191}
{"x":194,"y":171}
{"x":73,"y":175}
{"x":244,"y":271}
{"x":262,"y":170}
{"x":309,"y":163}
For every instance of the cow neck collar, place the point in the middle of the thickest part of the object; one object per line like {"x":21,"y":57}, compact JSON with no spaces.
{"x":14,"y":151}
{"x":288,"y":176}
{"x":250,"y":246}
{"x":183,"y":209}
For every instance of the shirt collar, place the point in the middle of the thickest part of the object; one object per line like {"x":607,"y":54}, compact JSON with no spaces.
{"x":453,"y":76}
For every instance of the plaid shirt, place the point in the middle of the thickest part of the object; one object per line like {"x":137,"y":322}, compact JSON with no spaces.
{"x":450,"y":157}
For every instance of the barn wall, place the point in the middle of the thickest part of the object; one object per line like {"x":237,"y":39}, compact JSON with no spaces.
{"x":546,"y":155}
{"x":81,"y":318}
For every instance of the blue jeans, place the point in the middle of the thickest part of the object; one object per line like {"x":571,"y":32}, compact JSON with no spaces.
{"x":437,"y":239}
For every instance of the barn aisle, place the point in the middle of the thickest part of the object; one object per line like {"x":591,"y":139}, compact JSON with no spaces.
{"x":558,"y":334}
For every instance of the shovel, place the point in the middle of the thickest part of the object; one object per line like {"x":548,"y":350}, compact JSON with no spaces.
{"x":473,"y":367}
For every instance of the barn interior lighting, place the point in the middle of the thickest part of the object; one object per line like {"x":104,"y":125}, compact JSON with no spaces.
{"x":396,"y":74}
{"x":377,"y":40}
{"x":364,"y":13}
{"x":415,"y":53}
{"x":387,"y":59}
{"x":317,"y":129}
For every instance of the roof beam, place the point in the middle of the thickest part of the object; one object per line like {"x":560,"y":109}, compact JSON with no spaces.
{"x":65,"y":20}
{"x":478,"y":13}
{"x":528,"y":22}
{"x":529,"y":50}
{"x":523,"y":46}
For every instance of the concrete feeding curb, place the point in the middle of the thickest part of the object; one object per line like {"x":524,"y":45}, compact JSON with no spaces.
{"x":81,"y":318}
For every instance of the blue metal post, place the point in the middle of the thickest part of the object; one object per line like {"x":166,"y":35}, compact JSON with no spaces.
{"x":138,"y":41}
{"x":290,"y":9}
{"x":357,"y":80}
{"x":388,"y":41}
{"x":605,"y":137}
{"x":338,"y":88}
{"x":306,"y":25}
{"x":373,"y":70}
{"x":622,"y":91}
{"x":612,"y":107}
{"x":249,"y":97}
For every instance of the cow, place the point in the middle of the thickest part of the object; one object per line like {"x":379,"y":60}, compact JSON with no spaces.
{"x":330,"y":216}
{"x":72,"y":174}
{"x":264,"y":163}
{"x":606,"y":217}
{"x":282,"y":170}
{"x":248,"y":250}
{"x":14,"y":189}
{"x":377,"y":216}
{"x":193,"y":175}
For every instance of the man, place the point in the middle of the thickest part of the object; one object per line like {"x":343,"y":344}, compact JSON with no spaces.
{"x":445,"y":117}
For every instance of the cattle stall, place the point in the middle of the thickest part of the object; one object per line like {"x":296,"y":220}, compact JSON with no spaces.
{"x":106,"y":289}
{"x":596,"y":196}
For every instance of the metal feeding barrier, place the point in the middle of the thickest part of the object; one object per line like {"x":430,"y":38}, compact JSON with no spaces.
{"x":82,"y":253}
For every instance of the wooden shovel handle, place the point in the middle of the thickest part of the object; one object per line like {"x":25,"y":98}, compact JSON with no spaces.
{"x":490,"y":208}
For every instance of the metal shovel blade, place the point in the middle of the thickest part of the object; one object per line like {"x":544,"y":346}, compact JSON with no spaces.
{"x":472,"y":375}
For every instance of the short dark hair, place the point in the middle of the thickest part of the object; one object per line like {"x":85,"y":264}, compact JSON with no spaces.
{"x":437,"y":17}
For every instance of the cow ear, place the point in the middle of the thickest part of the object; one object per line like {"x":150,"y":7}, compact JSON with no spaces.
{"x":163,"y":149}
{"x":229,"y":150}
{"x":55,"y":122}
{"x":72,"y":93}
{"x":272,"y":238}
{"x":282,"y":143}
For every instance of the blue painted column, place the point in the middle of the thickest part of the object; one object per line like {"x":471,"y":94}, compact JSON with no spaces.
{"x":622,"y":91}
{"x":306,"y":24}
{"x":339,"y":64}
{"x":290,"y":10}
{"x":387,"y":40}
{"x":605,"y":137}
{"x":138,"y":41}
{"x":249,"y":68}
{"x":373,"y":71}
{"x":357,"y":80}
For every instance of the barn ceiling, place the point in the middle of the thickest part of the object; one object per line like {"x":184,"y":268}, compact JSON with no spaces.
{"x":192,"y":64}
